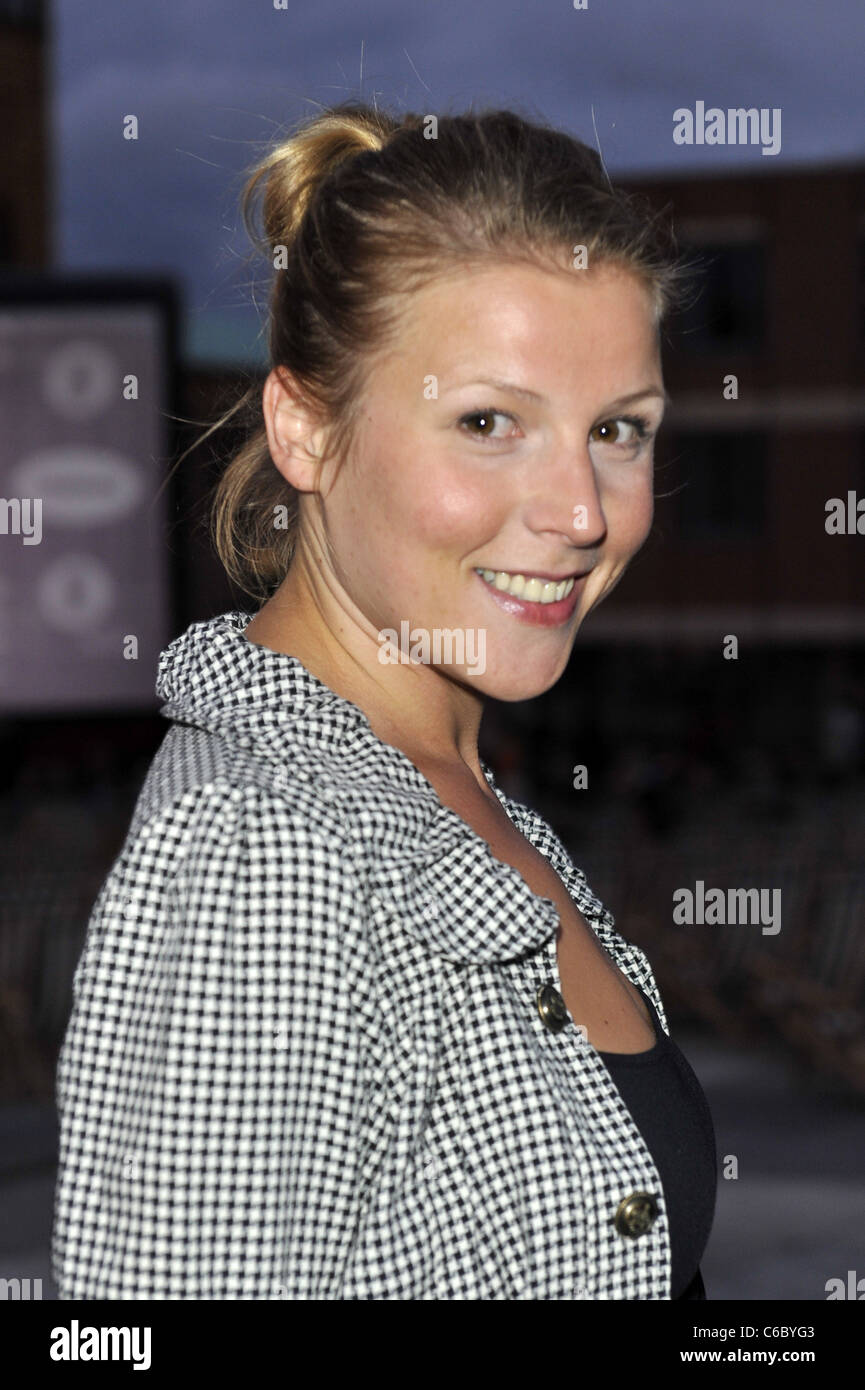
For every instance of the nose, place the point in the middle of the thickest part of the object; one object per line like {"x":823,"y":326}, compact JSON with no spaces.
{"x":565,"y":497}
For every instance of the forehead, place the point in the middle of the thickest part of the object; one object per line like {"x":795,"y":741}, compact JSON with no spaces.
{"x":526,"y":318}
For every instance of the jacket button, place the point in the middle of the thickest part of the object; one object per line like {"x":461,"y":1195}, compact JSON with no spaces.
{"x":551,"y":1007}
{"x":635,"y":1215}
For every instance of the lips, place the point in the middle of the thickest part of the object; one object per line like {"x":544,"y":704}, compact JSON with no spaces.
{"x":534,"y":613}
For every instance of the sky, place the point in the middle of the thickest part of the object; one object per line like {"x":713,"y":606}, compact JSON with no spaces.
{"x":213,"y":85}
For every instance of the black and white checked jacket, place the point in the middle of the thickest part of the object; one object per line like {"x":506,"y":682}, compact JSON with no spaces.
{"x":305,"y":1058}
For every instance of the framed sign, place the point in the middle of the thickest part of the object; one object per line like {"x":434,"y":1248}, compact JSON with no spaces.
{"x":87,"y":392}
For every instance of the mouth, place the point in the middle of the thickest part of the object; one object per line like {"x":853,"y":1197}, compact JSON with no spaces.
{"x":532,"y":587}
{"x":543,"y":600}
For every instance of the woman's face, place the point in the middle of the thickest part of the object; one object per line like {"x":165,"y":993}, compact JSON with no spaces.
{"x":449,"y":474}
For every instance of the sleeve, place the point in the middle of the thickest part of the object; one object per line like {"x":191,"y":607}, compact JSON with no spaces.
{"x":210,"y":1086}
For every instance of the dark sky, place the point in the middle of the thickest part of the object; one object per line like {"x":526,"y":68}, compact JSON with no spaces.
{"x":212,"y":83}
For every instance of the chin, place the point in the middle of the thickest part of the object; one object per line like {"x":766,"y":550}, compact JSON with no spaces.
{"x":511,"y":686}
{"x":524,"y":687}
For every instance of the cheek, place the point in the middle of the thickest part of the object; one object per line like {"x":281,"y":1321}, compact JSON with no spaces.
{"x":441,"y":508}
{"x":457,"y":517}
{"x":404,"y":519}
{"x":629,"y":510}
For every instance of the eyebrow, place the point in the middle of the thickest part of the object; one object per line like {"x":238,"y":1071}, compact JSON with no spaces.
{"x":515,"y":390}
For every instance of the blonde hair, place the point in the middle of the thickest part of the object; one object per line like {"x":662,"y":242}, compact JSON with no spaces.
{"x":359,"y":210}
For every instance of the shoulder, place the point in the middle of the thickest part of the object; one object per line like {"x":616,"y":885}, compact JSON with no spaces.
{"x":196,"y":766}
{"x":226,"y":886}
{"x":202,"y":790}
{"x":218,"y":842}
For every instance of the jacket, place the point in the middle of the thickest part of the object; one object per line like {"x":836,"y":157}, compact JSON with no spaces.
{"x":305,"y":1057}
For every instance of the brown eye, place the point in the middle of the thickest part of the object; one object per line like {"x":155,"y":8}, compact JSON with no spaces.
{"x":607,"y":431}
{"x":610,"y":431}
{"x":485,"y":419}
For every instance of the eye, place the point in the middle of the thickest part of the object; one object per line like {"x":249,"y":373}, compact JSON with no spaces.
{"x":638,"y":424}
{"x":485,"y":419}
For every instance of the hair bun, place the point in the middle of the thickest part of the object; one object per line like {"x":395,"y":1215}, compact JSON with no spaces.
{"x":293,"y":170}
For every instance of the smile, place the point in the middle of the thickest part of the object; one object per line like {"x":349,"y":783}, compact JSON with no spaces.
{"x":529,"y":590}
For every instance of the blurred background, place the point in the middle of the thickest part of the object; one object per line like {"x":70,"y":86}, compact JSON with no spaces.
{"x":130,"y":317}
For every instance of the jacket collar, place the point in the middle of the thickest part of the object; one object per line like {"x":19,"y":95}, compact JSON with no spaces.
{"x":417,"y":854}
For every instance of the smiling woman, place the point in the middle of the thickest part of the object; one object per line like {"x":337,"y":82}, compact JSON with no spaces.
{"x":337,"y":983}
{"x":359,"y":212}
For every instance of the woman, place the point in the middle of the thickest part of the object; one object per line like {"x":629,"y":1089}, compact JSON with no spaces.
{"x":349,"y":1024}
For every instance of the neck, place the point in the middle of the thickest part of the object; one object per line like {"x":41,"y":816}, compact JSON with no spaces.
{"x":430,"y":716}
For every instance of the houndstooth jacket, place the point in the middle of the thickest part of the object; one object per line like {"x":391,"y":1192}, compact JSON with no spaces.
{"x":305,"y":1057}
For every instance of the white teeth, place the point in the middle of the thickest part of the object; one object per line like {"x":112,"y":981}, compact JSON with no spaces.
{"x":534,"y":590}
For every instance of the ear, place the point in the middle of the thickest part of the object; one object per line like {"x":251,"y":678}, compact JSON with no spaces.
{"x":294,"y":433}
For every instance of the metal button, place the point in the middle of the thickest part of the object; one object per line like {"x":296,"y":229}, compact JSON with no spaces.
{"x":552,"y":1009}
{"x":635,"y":1215}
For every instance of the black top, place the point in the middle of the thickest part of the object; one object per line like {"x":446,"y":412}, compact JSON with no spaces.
{"x":670,"y":1110}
